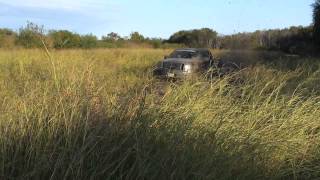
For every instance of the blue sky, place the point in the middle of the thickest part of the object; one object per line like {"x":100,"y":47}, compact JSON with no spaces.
{"x":155,"y":18}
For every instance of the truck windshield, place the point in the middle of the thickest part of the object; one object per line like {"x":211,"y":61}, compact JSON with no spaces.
{"x":184,"y":54}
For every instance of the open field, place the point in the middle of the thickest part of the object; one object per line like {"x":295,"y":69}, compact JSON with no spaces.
{"x":98,"y":114}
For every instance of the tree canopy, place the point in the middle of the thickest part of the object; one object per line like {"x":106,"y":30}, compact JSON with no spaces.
{"x":31,"y":36}
{"x":136,"y":36}
{"x":205,"y":37}
{"x":316,"y":21}
{"x":64,"y":39}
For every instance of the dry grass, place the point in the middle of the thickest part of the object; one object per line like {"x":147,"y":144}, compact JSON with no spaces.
{"x":96,"y":114}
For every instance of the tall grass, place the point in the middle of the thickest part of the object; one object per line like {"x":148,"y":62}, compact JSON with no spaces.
{"x":98,"y":114}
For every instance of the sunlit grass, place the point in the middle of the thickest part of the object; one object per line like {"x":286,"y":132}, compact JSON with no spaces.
{"x":99,"y":114}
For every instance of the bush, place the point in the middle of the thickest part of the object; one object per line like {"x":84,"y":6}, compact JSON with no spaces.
{"x":205,"y":37}
{"x":64,"y":39}
{"x":31,"y":36}
{"x":136,"y":37}
{"x":111,"y":37}
{"x":88,"y":41}
{"x":298,"y":40}
{"x":7,"y":38}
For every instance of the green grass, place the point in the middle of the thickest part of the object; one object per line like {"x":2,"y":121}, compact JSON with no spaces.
{"x":98,"y":114}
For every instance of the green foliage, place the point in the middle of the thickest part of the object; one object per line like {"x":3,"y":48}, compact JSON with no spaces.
{"x":290,"y":40}
{"x":156,"y":43}
{"x":206,"y":38}
{"x":297,"y":40}
{"x":111,"y":37}
{"x":136,"y":37}
{"x":6,"y":32}
{"x":88,"y":41}
{"x":316,"y":21}
{"x":64,"y":39}
{"x":7,"y":38}
{"x":108,"y":44}
{"x":31,"y":36}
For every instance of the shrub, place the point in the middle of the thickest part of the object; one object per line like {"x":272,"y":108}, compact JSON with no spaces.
{"x":136,"y":37}
{"x":31,"y":36}
{"x":88,"y":41}
{"x":7,"y":38}
{"x":64,"y":39}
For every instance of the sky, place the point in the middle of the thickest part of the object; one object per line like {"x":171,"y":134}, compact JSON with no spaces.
{"x":155,"y":18}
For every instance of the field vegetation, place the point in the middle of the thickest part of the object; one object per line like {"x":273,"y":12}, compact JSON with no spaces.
{"x":81,"y":107}
{"x":99,"y":114}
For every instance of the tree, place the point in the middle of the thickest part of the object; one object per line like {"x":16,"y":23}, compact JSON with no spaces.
{"x":64,"y":39}
{"x":89,"y":41}
{"x":136,"y":36}
{"x":291,"y":40}
{"x":111,"y":37}
{"x":31,"y":36}
{"x":204,"y":37}
{"x":316,"y":21}
{"x":7,"y":38}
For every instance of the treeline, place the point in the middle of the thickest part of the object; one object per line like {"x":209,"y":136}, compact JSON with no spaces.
{"x":35,"y":36}
{"x":291,"y":40}
{"x":298,"y":40}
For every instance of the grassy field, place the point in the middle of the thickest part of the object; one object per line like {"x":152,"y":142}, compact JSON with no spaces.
{"x":99,"y":114}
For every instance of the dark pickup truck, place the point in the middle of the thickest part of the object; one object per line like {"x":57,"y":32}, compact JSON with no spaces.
{"x":184,"y":62}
